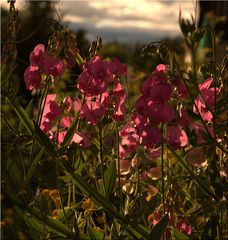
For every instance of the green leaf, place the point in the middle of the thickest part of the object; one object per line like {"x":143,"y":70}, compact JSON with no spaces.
{"x":70,"y":132}
{"x":37,"y":219}
{"x":45,"y":141}
{"x":159,"y":228}
{"x":180,"y":236}
{"x":110,"y":177}
{"x":95,"y":234}
{"x":28,"y":110}
{"x":33,"y":168}
{"x":24,"y":118}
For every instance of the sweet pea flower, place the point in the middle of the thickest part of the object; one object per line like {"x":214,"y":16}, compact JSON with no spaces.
{"x":161,"y":112}
{"x":32,"y":77}
{"x":161,"y":92}
{"x":181,"y":89}
{"x":53,"y":66}
{"x":66,"y":121}
{"x":51,"y":111}
{"x":207,"y":100}
{"x":82,"y":138}
{"x":118,"y":68}
{"x":37,"y":55}
{"x":92,"y":111}
{"x":176,"y":137}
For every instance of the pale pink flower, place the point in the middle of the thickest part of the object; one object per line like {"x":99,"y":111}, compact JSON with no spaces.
{"x":66,"y":121}
{"x":84,"y":139}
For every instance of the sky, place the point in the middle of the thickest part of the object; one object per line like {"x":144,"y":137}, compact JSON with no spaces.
{"x":124,"y":20}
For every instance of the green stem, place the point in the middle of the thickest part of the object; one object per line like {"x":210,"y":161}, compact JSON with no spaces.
{"x":101,"y":159}
{"x":118,"y":168}
{"x":162,"y":168}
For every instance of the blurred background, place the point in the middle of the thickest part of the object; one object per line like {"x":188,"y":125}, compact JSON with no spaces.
{"x":124,"y":26}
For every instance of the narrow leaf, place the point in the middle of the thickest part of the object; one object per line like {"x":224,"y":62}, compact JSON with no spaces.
{"x":24,"y":118}
{"x":28,"y":110}
{"x":45,"y":141}
{"x":159,"y":228}
{"x":33,"y":168}
{"x":180,"y":236}
{"x":110,"y":177}
{"x":71,"y":131}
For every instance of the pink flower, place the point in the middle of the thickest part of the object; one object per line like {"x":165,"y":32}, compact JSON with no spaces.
{"x":82,"y":138}
{"x":181,"y":89}
{"x":154,"y":153}
{"x":93,"y":81}
{"x":150,"y":135}
{"x":118,"y":68}
{"x":77,"y":104}
{"x":92,"y":112}
{"x":162,"y":68}
{"x":119,"y":96}
{"x":142,"y":105}
{"x":53,"y":66}
{"x":161,"y":92}
{"x":61,"y":136}
{"x":176,"y":137}
{"x":207,"y":100}
{"x":32,"y":77}
{"x":129,"y":140}
{"x":51,"y":111}
{"x":161,"y":112}
{"x":37,"y":55}
{"x":184,"y":227}
{"x":66,"y":121}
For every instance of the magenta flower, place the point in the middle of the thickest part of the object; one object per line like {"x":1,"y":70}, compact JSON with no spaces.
{"x":92,"y":111}
{"x":37,"y":55}
{"x":154,"y":153}
{"x":176,"y":137}
{"x":161,"y":92}
{"x":117,"y":67}
{"x":67,"y":103}
{"x":184,"y":119}
{"x":32,"y":77}
{"x":150,"y":135}
{"x":53,"y":66}
{"x":161,"y":112}
{"x":93,"y":81}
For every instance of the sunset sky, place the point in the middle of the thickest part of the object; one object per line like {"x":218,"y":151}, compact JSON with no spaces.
{"x":124,"y":20}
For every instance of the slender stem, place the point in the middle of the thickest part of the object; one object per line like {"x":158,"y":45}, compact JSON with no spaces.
{"x":118,"y":168}
{"x":162,"y":168}
{"x":101,"y":159}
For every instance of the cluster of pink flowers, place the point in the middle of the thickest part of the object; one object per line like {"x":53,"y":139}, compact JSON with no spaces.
{"x":152,"y":109}
{"x":99,"y":83}
{"x":41,"y":63}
